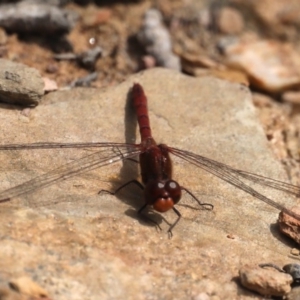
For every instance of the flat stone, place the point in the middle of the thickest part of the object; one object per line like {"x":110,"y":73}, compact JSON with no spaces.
{"x":75,"y":243}
{"x":20,"y":84}
{"x":271,"y":66}
{"x":291,"y":97}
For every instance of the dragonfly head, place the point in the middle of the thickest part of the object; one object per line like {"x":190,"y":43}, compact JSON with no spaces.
{"x":162,"y":194}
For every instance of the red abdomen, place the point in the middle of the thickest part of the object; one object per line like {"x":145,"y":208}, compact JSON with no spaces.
{"x":140,"y":105}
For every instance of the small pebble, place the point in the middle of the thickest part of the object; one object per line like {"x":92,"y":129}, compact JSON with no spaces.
{"x":290,"y":226}
{"x":149,"y":61}
{"x":293,"y":270}
{"x":27,"y":287}
{"x":295,"y":252}
{"x":85,"y":81}
{"x":229,"y":21}
{"x":291,"y":97}
{"x":49,"y":85}
{"x":89,"y":58}
{"x":157,"y":41}
{"x":52,"y":68}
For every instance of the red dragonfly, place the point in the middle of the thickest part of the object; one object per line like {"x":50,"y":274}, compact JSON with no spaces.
{"x":160,"y":191}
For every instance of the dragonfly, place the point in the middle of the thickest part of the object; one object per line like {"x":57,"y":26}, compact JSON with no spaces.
{"x":160,"y":191}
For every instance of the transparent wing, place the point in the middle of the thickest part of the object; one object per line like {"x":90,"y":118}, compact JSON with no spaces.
{"x":64,"y":145}
{"x":110,"y":153}
{"x":234,"y":177}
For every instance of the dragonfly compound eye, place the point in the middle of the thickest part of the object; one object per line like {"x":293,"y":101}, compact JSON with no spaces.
{"x":174,"y":190}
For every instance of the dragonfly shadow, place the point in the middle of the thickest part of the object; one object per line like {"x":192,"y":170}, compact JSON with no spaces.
{"x":5,"y":105}
{"x":148,"y":218}
{"x":129,"y":170}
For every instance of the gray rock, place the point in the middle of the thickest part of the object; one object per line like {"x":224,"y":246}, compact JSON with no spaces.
{"x":29,"y":17}
{"x":49,"y":2}
{"x":156,"y":40}
{"x":78,"y":244}
{"x":20,"y":84}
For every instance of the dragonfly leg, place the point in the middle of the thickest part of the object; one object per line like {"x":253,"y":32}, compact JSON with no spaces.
{"x":131,"y":159}
{"x":122,"y":186}
{"x":175,"y":223}
{"x":142,"y":208}
{"x":271,"y":266}
{"x":207,"y":206}
{"x":146,"y":217}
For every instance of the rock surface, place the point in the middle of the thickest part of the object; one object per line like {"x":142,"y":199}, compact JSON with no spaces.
{"x":77,"y":244}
